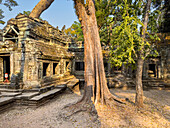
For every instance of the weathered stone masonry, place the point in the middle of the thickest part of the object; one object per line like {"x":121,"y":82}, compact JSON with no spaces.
{"x":34,"y":51}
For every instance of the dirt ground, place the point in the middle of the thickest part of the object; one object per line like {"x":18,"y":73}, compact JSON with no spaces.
{"x":155,"y":114}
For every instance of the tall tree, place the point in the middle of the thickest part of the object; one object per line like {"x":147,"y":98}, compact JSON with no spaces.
{"x":129,"y":44}
{"x":95,"y":79}
{"x":140,"y":59}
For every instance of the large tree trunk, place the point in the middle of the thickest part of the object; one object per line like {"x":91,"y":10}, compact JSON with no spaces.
{"x":40,"y":7}
{"x":95,"y":79}
{"x":140,"y":60}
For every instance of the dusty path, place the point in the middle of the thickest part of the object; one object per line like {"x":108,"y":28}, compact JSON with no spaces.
{"x":47,"y":116}
{"x":156,"y":113}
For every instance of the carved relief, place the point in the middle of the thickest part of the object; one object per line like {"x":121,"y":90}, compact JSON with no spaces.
{"x":30,"y":72}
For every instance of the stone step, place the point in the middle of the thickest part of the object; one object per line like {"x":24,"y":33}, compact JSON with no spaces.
{"x":9,"y":90}
{"x":40,"y":90}
{"x":27,"y":95}
{"x":46,"y":94}
{"x":29,"y":98}
{"x":61,"y":86}
{"x":44,"y":97}
{"x":46,"y":88}
{"x":10,"y":94}
{"x":6,"y":103}
{"x":6,"y":100}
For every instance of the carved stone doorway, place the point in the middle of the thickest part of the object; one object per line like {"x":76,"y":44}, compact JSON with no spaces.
{"x":5,"y":67}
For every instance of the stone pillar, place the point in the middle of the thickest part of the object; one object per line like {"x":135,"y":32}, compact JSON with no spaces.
{"x":61,"y":66}
{"x":40,"y":70}
{"x":11,"y":64}
{"x":159,"y":71}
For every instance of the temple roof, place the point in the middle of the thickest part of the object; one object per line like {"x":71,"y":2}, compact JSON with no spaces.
{"x":54,"y":51}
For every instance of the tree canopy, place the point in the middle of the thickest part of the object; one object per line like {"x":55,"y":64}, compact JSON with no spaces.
{"x":75,"y":31}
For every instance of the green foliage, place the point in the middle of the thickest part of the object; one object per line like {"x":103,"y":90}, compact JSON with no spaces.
{"x":126,"y":38}
{"x":27,"y":13}
{"x":104,"y":8}
{"x":9,"y":4}
{"x":126,"y":41}
{"x":75,"y":31}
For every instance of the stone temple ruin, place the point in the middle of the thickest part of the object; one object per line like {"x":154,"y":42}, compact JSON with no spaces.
{"x":34,"y":53}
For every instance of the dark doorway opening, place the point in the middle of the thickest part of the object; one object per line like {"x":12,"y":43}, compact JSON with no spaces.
{"x":45,"y":66}
{"x":54,"y":68}
{"x":79,"y":66}
{"x":6,"y":66}
{"x":67,"y":66}
{"x":152,"y":70}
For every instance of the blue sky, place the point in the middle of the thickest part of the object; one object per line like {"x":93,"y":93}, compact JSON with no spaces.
{"x":60,"y":13}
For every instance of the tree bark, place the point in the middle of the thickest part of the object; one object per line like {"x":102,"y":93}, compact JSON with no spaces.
{"x":40,"y":7}
{"x":95,"y":79}
{"x":140,"y":60}
{"x":139,"y":87}
{"x":94,"y":67}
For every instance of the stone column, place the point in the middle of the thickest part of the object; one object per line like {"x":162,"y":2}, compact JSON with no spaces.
{"x":61,"y":66}
{"x":11,"y":64}
{"x":159,"y":71}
